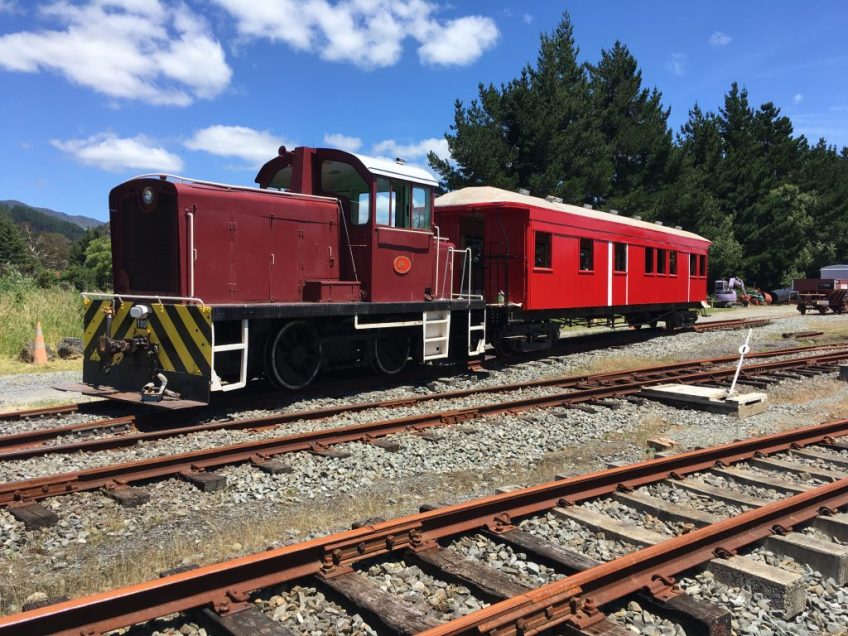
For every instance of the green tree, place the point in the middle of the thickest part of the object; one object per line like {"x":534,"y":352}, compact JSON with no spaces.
{"x":780,"y":250}
{"x":634,"y":125}
{"x":13,"y":247}
{"x":98,"y":260}
{"x":536,"y":132}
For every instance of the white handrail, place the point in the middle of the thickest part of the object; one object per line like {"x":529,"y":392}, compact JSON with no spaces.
{"x":159,"y":299}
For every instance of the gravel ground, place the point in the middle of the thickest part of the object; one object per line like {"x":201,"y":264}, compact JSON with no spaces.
{"x":667,"y":492}
{"x":502,"y":557}
{"x":180,"y":524}
{"x":305,"y":610}
{"x":640,"y":621}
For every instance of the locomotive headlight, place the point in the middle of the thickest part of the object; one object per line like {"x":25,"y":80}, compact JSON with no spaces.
{"x":139,"y":312}
{"x":147,"y":196}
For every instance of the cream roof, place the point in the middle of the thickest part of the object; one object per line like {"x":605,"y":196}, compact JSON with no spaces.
{"x":393,"y":169}
{"x":479,"y":195}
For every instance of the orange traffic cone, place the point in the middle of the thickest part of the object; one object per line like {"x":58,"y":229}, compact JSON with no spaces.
{"x":39,"y":351}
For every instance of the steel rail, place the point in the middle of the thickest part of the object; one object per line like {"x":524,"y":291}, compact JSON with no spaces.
{"x":26,"y":444}
{"x":735,"y":323}
{"x":227,"y":586}
{"x":22,"y":414}
{"x":190,"y":463}
{"x":575,"y":600}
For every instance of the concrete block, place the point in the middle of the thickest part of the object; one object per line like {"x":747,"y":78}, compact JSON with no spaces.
{"x":835,"y":526}
{"x":667,"y":510}
{"x":785,"y":590}
{"x":699,"y":487}
{"x":707,"y":399}
{"x":843,"y":372}
{"x":611,"y":527}
{"x":831,"y":559}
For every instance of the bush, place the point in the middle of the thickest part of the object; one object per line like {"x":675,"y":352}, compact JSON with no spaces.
{"x":23,"y":302}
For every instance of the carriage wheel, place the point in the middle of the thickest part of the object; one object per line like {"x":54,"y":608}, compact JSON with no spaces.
{"x":389,"y":354}
{"x":802,"y":309}
{"x":293,"y":356}
{"x":503,"y":347}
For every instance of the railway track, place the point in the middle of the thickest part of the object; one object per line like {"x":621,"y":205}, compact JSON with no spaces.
{"x":804,"y":473}
{"x":725,"y":325}
{"x":21,"y":497}
{"x":573,"y":344}
{"x":129,"y":430}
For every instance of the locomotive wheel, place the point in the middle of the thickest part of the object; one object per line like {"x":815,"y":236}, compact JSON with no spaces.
{"x":390,"y":353}
{"x":294,"y":356}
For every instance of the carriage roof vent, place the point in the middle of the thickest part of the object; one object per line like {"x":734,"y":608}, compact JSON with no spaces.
{"x":524,"y":191}
{"x":678,"y":227}
{"x":658,"y":222}
{"x":552,"y":199}
{"x":588,"y":206}
{"x":613,"y":211}
{"x":637,"y":217}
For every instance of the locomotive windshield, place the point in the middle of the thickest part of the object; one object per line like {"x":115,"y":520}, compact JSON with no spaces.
{"x":344,"y":181}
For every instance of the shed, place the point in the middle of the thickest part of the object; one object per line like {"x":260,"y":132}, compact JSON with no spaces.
{"x":835,"y":272}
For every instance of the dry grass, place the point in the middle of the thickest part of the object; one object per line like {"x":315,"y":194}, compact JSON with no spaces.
{"x":624,"y":362}
{"x":13,"y":366}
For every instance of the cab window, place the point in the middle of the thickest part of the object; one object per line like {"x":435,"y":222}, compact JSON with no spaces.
{"x":394,"y":203}
{"x":421,"y":207}
{"x":342,"y":180}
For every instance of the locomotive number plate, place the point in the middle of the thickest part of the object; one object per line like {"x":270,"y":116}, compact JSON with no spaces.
{"x":141,"y":323}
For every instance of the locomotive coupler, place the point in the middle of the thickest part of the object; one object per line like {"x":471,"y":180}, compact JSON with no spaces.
{"x":151,"y":393}
{"x":108,"y":348}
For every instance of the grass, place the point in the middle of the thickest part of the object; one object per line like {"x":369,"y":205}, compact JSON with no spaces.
{"x":22,"y":304}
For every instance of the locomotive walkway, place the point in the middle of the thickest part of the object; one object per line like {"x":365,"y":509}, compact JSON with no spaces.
{"x":805,"y":469}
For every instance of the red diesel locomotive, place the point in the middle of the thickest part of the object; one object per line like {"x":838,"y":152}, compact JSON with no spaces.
{"x":339,"y":260}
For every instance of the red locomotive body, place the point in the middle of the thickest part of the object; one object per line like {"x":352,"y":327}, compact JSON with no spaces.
{"x":334,"y":261}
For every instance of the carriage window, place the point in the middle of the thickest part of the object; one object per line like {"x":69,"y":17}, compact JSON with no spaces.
{"x":702,"y":265}
{"x":587,"y":255}
{"x":672,"y":263}
{"x":692,"y":261}
{"x":661,"y":261}
{"x":649,"y":260}
{"x":421,"y":206}
{"x":543,"y":250}
{"x":620,"y":257}
{"x":342,"y":180}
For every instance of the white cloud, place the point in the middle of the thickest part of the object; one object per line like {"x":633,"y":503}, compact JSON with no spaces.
{"x":367,"y":33}
{"x":460,"y":42}
{"x":126,"y":49}
{"x":798,"y":98}
{"x":8,"y":6}
{"x":527,"y":18}
{"x":110,"y":152}
{"x":720,"y":39}
{"x":413,"y":151}
{"x":255,"y":146}
{"x":677,"y":64}
{"x":343,"y":142}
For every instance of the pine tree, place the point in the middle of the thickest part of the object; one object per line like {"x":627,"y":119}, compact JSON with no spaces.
{"x":13,"y":248}
{"x":635,"y":129}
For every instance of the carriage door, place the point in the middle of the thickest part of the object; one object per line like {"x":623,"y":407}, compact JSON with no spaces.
{"x":471,"y":235}
{"x":617,"y":274}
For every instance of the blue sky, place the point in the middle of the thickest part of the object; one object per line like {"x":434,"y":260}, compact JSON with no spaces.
{"x":96,"y":91}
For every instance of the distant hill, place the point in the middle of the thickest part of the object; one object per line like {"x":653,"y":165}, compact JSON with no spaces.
{"x":84,"y":222}
{"x":44,"y":220}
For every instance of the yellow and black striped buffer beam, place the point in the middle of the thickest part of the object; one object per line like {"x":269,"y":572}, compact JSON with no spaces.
{"x":183,"y":333}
